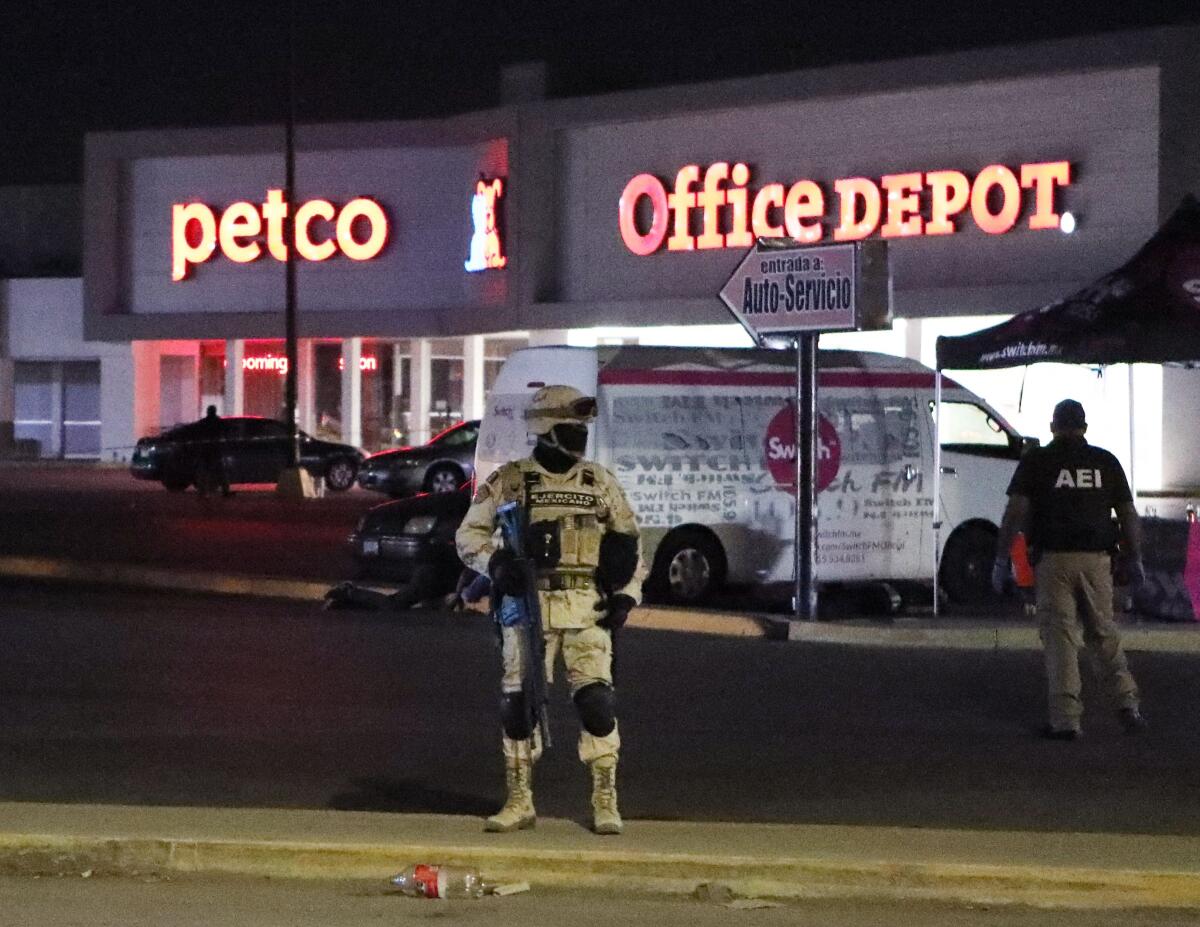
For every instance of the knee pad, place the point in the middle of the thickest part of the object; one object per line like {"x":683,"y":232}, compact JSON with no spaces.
{"x":597,"y":707}
{"x":514,"y":716}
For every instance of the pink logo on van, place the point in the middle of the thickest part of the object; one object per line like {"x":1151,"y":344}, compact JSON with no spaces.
{"x":779,"y":448}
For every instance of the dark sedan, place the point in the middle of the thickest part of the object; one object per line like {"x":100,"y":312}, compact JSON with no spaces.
{"x":396,"y":540}
{"x":241,"y":450}
{"x":440,"y":466}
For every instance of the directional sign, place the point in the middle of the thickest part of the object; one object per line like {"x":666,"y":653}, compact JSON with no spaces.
{"x":783,"y":289}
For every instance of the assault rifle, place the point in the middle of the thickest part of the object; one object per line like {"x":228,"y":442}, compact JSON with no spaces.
{"x":525,"y":613}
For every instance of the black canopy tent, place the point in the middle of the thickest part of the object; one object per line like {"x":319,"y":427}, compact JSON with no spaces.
{"x":1146,"y":311}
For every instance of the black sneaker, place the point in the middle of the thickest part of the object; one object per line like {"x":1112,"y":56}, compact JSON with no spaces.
{"x":1131,"y":719}
{"x":1066,"y":733}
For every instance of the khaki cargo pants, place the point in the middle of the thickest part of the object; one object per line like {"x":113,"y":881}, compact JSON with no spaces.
{"x":587,"y":654}
{"x":1074,"y":606}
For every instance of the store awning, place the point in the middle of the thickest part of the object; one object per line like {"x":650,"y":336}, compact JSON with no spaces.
{"x":1147,"y":311}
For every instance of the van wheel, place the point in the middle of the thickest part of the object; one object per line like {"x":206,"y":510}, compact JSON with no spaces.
{"x":688,"y":567}
{"x":966,"y":572}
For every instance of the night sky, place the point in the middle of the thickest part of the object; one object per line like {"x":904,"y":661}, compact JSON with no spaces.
{"x":68,"y":67}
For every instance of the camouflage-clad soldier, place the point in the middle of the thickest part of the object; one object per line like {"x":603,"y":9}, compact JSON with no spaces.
{"x":583,"y":540}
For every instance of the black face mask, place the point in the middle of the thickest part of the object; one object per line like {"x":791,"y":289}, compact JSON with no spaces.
{"x":561,"y":447}
{"x":571,"y":438}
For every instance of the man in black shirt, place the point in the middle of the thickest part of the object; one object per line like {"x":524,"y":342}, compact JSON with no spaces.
{"x":1063,"y":497}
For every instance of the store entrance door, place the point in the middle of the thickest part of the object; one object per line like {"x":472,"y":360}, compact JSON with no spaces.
{"x":58,"y":407}
{"x":178,"y":398}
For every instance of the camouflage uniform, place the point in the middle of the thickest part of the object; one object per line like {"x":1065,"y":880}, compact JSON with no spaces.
{"x":579,"y":507}
{"x":585,"y":502}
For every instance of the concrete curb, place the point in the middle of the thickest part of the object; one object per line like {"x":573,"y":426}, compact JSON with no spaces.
{"x":576,"y":859}
{"x":902,"y":633}
{"x":915,"y":633}
{"x":142,"y":577}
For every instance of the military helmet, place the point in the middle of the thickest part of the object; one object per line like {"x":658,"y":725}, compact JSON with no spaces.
{"x":558,"y":405}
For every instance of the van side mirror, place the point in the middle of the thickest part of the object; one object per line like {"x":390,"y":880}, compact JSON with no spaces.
{"x":1028,"y":444}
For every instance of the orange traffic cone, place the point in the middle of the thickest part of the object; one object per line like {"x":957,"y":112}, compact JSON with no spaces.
{"x":1023,"y":574}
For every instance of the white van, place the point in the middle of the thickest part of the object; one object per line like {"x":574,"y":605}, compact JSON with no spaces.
{"x":703,"y":442}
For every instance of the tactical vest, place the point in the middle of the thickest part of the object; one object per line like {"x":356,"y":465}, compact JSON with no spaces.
{"x":566,"y":518}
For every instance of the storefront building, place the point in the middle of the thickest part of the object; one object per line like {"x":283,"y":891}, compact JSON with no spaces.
{"x":427,"y":251}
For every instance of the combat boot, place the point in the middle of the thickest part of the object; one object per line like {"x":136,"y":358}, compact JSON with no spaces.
{"x":606,"y":819}
{"x":517,"y":813}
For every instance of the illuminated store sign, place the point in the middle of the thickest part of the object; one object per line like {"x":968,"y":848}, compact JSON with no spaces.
{"x":358,"y":230}
{"x":716,"y":203}
{"x":280,"y":364}
{"x":486,"y":253}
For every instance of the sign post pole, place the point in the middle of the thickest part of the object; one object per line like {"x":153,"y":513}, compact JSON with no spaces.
{"x":291,"y":344}
{"x":785,"y":294}
{"x":806,"y":471}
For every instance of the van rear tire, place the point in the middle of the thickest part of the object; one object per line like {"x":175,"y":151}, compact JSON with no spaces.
{"x":966,"y":572}
{"x":689,"y":567}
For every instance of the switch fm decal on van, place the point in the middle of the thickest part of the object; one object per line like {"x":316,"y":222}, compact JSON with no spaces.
{"x":780,"y":449}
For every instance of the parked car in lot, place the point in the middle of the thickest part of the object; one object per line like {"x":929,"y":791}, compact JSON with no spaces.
{"x":394,"y":540}
{"x":250,"y":450}
{"x":440,"y":466}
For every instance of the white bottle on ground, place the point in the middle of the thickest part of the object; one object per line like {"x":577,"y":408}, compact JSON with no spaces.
{"x":434,"y":881}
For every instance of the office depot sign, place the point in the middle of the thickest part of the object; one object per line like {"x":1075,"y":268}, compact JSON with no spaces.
{"x":717,"y":202}
{"x":358,"y":230}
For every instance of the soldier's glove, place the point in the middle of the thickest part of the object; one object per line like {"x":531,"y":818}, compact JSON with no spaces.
{"x":479,"y":586}
{"x":507,"y":576}
{"x":617,"y":609}
{"x":1001,"y":573}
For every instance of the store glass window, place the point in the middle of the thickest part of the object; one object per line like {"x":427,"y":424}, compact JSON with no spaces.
{"x":81,"y":409}
{"x":264,"y":378}
{"x":446,"y":393}
{"x":401,"y":391}
{"x":377,"y":387}
{"x":327,"y":390}
{"x":34,"y":385}
{"x":212,"y":375}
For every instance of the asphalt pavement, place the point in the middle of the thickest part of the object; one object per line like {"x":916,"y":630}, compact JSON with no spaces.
{"x":231,"y":902}
{"x":89,"y":514}
{"x":151,"y":699}
{"x":906,"y":769}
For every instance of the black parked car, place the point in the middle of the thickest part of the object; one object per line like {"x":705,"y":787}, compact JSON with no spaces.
{"x":440,"y":466}
{"x":395,"y":540}
{"x":249,"y":449}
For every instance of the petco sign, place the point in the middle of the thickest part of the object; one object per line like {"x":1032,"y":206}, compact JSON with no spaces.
{"x":359,"y":230}
{"x":717,"y":203}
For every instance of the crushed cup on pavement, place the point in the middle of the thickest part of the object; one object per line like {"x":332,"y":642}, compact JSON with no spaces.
{"x":717,"y":892}
{"x":508,"y":888}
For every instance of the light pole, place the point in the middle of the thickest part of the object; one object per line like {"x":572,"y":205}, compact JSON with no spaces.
{"x":289,"y":301}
